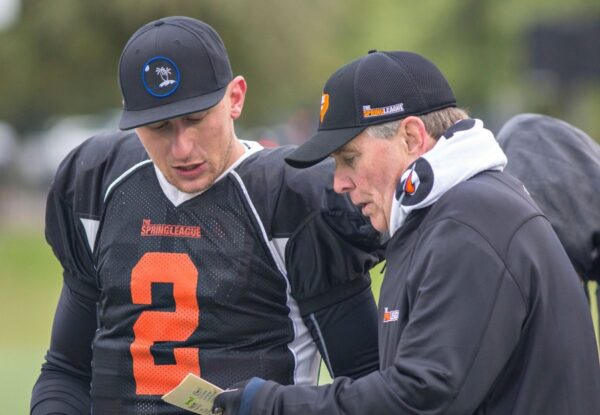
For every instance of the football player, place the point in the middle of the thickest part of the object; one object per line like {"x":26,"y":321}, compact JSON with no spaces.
{"x":188,"y":250}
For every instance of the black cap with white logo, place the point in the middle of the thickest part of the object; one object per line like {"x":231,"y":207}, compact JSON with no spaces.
{"x":374,"y":89}
{"x":171,"y":67}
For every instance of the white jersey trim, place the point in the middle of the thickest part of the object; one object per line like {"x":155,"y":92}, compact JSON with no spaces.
{"x":323,"y":344}
{"x":91,"y":229}
{"x":280,"y":244}
{"x":303,"y":348}
{"x":122,"y":176}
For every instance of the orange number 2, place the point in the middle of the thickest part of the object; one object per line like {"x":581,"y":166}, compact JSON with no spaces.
{"x":161,"y":326}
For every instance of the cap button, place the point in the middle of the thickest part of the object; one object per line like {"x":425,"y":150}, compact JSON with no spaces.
{"x":160,"y":22}
{"x":372,"y":51}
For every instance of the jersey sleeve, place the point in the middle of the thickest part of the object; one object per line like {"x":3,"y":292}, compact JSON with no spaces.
{"x":68,"y":208}
{"x":329,"y":256}
{"x":328,"y":248}
{"x":63,"y":386}
{"x":328,"y":259}
{"x":76,"y":199}
{"x":332,"y":246}
{"x":327,"y":245}
{"x":73,"y":214}
{"x":346,"y":335}
{"x":65,"y":234}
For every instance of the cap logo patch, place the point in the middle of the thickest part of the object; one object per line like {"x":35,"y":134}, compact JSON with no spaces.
{"x":369,"y":112}
{"x":324,"y":105}
{"x":160,"y":76}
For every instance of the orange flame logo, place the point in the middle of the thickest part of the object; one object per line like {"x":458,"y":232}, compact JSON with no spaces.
{"x":409,"y":186}
{"x":324,"y":105}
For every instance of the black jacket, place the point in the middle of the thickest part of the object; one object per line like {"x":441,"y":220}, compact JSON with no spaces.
{"x":480,"y":312}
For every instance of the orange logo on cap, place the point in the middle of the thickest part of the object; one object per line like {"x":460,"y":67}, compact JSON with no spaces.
{"x":324,"y":105}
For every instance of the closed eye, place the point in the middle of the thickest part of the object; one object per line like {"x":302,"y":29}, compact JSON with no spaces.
{"x":158,"y":125}
{"x":196,"y":117}
{"x":349,"y":160}
{"x":345,"y":157}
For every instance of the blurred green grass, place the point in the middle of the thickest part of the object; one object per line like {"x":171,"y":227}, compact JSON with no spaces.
{"x":30,"y":280}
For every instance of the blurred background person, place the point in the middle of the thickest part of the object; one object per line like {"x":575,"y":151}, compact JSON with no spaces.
{"x":560,"y":167}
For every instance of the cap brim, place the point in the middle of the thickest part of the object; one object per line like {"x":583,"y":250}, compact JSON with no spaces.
{"x":321,"y":145}
{"x":132,"y":119}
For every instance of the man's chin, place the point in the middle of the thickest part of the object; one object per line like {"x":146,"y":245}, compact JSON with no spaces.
{"x":192,"y":187}
{"x":379,"y":224}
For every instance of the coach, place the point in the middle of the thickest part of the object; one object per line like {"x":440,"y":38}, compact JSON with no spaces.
{"x":481,"y":311}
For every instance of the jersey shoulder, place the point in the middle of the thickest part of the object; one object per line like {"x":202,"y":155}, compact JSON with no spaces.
{"x":76,"y":201}
{"x":285,"y":196}
{"x":326,"y":241}
{"x":88,"y":171}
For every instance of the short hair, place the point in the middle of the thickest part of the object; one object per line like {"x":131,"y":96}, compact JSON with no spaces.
{"x":436,"y":123}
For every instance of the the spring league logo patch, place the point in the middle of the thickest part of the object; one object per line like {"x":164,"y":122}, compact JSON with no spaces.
{"x":177,"y":231}
{"x":416,"y":183}
{"x":390,"y":315}
{"x":369,"y":112}
{"x":160,"y":76}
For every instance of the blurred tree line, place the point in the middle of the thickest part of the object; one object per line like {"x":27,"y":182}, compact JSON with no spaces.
{"x":61,"y":56}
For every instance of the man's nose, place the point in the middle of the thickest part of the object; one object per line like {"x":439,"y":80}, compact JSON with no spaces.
{"x":182,"y":142}
{"x":341,"y":182}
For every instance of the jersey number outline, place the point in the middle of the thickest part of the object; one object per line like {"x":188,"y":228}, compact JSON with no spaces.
{"x":161,"y":326}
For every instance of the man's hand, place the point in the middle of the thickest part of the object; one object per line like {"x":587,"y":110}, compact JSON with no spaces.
{"x":237,"y":399}
{"x":228,"y":402}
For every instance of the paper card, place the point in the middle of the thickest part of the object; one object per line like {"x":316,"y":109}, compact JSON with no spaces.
{"x":194,"y":394}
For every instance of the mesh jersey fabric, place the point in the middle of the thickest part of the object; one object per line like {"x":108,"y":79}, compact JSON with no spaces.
{"x":197,"y":283}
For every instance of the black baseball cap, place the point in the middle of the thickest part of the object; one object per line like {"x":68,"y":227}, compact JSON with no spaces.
{"x":371,"y":90}
{"x":171,"y":67}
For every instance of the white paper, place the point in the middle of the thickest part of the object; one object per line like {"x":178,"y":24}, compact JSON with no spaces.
{"x":194,"y":394}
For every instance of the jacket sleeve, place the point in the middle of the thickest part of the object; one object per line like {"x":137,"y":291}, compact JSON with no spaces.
{"x":63,"y":386}
{"x":462,"y":327}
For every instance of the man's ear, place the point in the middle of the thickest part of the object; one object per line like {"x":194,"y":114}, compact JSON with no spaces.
{"x":418,"y":141}
{"x":237,"y":93}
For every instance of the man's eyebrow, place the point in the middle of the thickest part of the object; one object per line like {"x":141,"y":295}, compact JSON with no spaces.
{"x":341,"y":150}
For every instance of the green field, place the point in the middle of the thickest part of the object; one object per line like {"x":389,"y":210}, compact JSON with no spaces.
{"x":29,"y":287}
{"x":30,"y":280}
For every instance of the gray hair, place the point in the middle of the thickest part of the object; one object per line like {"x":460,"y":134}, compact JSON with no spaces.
{"x":436,"y":123}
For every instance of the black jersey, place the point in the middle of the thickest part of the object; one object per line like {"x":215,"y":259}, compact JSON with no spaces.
{"x":241,"y":280}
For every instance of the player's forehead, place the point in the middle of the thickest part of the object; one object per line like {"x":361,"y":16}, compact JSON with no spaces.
{"x":194,"y":115}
